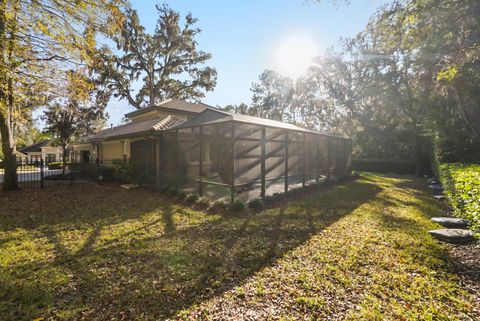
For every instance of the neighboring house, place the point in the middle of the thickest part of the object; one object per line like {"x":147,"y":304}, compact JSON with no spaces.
{"x":44,"y":149}
{"x":132,"y":140}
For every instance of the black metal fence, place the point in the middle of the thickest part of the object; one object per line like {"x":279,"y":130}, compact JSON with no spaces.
{"x":42,"y":174}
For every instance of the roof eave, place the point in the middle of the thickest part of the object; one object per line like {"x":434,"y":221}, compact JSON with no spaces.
{"x":143,"y":111}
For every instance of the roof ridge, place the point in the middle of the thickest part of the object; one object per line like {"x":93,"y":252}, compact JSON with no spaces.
{"x":40,"y":144}
{"x":165,"y":121}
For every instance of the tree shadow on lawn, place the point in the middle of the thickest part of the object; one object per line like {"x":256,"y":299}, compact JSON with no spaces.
{"x":409,"y":215}
{"x":170,"y":262}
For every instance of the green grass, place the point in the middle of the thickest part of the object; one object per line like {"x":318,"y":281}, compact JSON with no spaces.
{"x":356,"y":251}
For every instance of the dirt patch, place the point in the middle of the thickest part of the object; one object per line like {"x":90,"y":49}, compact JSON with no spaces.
{"x":465,"y":260}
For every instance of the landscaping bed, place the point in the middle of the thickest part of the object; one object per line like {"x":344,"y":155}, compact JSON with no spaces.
{"x":357,"y":250}
{"x":461,"y":183}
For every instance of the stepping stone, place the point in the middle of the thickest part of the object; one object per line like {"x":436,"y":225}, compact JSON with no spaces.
{"x":437,"y":187}
{"x":439,"y":197}
{"x":129,"y":186}
{"x":432,"y":181}
{"x":451,"y":222}
{"x":452,"y":235}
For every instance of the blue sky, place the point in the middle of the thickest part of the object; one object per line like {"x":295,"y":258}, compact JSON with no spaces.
{"x":244,"y":36}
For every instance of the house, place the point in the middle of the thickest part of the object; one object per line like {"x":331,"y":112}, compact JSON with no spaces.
{"x":203,"y":150}
{"x":132,"y":140}
{"x":44,"y":149}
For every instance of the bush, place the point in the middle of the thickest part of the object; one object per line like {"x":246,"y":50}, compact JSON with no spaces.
{"x":384,"y":166}
{"x":108,"y":174}
{"x":237,"y":207}
{"x":174,"y":192}
{"x":191,"y":198}
{"x":255,"y":205}
{"x":181,"y":195}
{"x":203,"y":202}
{"x":217,"y":207}
{"x":461,"y":183}
{"x":55,"y":165}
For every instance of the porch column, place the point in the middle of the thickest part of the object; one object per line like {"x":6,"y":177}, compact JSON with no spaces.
{"x":158,"y":159}
{"x":124,"y":144}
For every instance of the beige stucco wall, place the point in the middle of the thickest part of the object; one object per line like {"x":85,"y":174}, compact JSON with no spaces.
{"x":120,"y":148}
{"x":116,"y":149}
{"x":111,"y":150}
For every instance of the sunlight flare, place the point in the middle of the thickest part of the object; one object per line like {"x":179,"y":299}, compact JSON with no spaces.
{"x":294,"y":55}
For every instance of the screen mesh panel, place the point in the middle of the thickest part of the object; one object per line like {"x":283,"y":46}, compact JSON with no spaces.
{"x":225,"y":159}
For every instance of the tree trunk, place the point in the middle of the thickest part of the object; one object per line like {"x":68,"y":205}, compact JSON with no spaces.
{"x":10,"y":179}
{"x":65,"y":155}
{"x":422,"y":156}
{"x":473,"y":125}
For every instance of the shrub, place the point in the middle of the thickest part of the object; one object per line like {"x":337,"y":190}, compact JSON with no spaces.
{"x":255,"y":205}
{"x":181,"y":195}
{"x":107,"y":173}
{"x":55,"y":165}
{"x":173,"y":192}
{"x":384,"y":166}
{"x":269,"y":200}
{"x":217,"y":207}
{"x":461,"y":183}
{"x":191,"y":198}
{"x":203,"y":202}
{"x":237,"y":206}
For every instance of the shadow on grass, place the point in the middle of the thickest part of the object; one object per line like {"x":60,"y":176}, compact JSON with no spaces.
{"x":170,"y":262}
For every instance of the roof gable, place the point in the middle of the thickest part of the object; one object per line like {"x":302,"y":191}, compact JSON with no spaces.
{"x":35,"y":148}
{"x":135,"y":128}
{"x":173,"y":105}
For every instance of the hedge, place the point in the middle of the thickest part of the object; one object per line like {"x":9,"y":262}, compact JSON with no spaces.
{"x":55,"y":165}
{"x":384,"y":166}
{"x":461,"y":183}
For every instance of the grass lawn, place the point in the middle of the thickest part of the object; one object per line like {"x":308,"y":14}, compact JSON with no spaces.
{"x":359,"y":250}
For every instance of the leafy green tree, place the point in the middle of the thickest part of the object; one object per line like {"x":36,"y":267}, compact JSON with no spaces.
{"x":78,"y":114}
{"x":241,"y":108}
{"x":29,"y":134}
{"x":168,"y":61}
{"x":37,"y":40}
{"x":272,"y":97}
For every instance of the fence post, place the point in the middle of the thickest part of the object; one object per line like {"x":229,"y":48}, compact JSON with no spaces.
{"x":200,"y":162}
{"x":262,"y":168}
{"x":304,"y":159}
{"x":97,"y":169}
{"x":232,"y":187}
{"x":286,"y":161}
{"x":328,"y":158}
{"x":41,"y":174}
{"x":317,"y":159}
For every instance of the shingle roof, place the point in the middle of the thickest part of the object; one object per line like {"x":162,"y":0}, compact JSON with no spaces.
{"x":136,"y":128}
{"x":34,"y":148}
{"x":174,"y":104}
{"x":219,"y":116}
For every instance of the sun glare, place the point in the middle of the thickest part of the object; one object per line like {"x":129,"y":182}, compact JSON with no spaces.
{"x":295,"y":54}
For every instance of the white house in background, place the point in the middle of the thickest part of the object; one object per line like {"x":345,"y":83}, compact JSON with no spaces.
{"x":42,"y":150}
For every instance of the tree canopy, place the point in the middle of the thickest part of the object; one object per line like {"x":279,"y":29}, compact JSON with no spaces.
{"x":406,"y":85}
{"x":168,"y":61}
{"x":39,"y":40}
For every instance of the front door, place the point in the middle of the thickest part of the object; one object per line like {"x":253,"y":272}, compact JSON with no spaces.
{"x":85,"y":156}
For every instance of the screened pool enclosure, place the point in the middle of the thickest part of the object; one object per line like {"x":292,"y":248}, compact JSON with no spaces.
{"x":229,"y":156}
